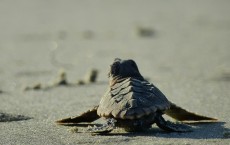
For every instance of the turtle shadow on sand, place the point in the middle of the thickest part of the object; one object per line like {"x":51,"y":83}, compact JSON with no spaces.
{"x":5,"y":117}
{"x":200,"y":131}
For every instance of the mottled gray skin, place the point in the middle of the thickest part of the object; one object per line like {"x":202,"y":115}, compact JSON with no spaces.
{"x":134,"y":104}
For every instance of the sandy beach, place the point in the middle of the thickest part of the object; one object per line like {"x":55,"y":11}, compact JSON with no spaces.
{"x":180,"y":46}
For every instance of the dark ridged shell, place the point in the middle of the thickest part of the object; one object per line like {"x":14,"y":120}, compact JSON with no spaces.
{"x":131,"y":99}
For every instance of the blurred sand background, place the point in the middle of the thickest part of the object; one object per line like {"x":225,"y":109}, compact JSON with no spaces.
{"x":183,"y":47}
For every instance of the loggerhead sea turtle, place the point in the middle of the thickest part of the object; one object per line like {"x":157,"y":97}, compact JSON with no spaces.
{"x":134,"y":104}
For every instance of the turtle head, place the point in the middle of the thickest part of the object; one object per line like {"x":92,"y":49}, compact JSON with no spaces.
{"x":124,"y":68}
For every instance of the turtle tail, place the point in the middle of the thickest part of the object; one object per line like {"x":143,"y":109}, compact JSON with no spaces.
{"x":88,"y":116}
{"x":183,"y":115}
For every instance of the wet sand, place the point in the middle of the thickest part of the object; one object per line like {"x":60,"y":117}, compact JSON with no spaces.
{"x":182,"y":47}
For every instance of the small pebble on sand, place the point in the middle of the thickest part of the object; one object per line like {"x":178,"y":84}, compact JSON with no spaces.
{"x":36,"y":86}
{"x":145,"y":32}
{"x":61,"y":79}
{"x":90,"y":77}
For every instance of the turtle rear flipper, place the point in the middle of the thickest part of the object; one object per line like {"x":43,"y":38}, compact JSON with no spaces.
{"x":170,"y":126}
{"x":88,"y":116}
{"x":105,"y":128}
{"x":181,"y":114}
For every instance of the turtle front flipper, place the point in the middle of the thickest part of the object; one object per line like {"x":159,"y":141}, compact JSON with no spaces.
{"x":183,"y":115}
{"x":105,"y":128}
{"x":88,"y":116}
{"x":170,"y":126}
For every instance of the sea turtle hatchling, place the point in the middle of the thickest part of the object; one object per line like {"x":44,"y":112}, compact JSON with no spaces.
{"x":134,"y":104}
